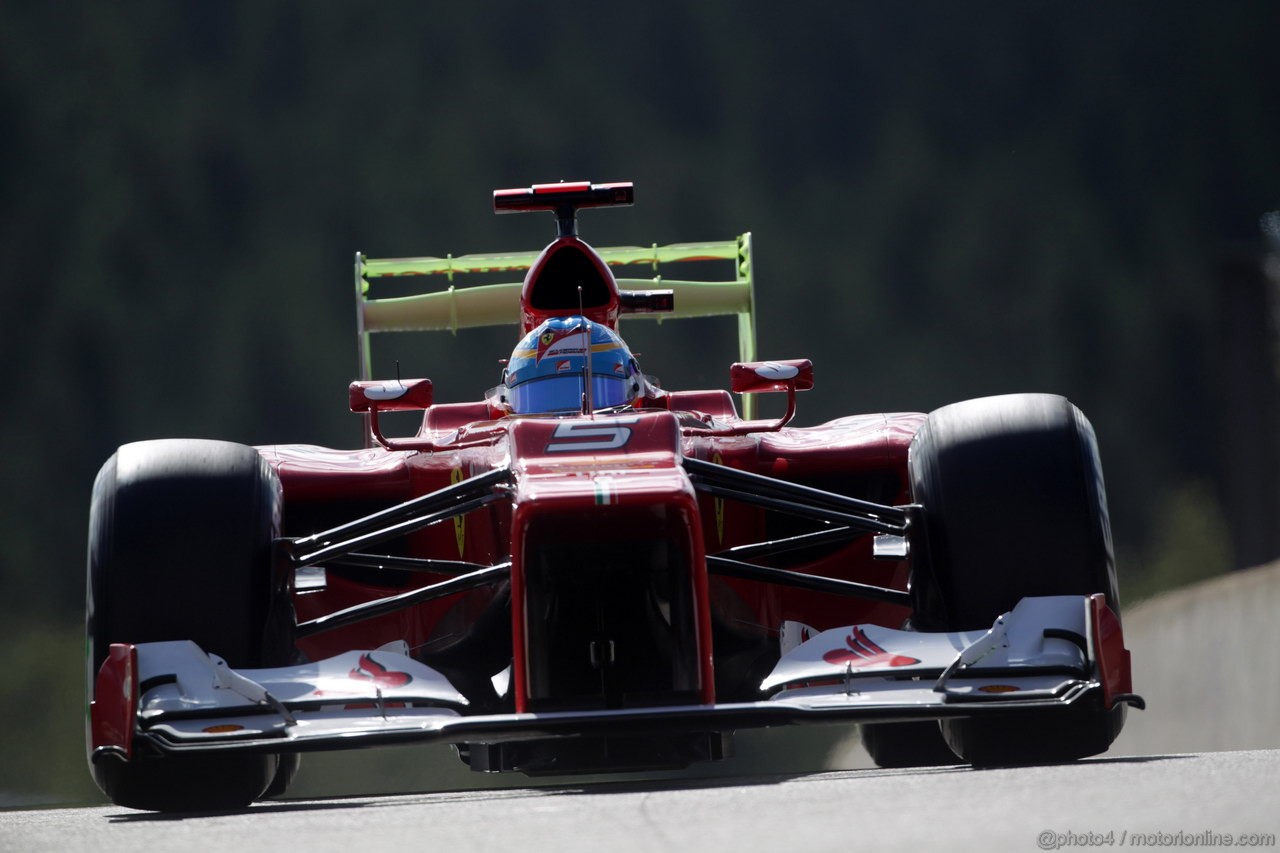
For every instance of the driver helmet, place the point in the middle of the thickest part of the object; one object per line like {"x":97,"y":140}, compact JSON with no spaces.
{"x":547,"y":371}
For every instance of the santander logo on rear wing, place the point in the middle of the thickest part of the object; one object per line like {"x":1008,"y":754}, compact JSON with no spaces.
{"x":564,"y":199}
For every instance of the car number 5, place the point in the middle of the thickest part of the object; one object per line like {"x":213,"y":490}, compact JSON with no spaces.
{"x":590,"y":435}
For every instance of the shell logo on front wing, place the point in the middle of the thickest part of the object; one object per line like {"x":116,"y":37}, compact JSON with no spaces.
{"x":369,"y":669}
{"x":862,"y":652}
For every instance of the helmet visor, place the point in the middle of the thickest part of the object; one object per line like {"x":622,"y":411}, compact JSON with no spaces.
{"x":563,"y":393}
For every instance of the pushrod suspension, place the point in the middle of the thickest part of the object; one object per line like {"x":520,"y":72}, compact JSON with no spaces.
{"x":767,"y":491}
{"x":756,"y":550}
{"x":398,"y":520}
{"x":405,"y":564}
{"x":383,"y":606}
{"x":783,"y":577}
{"x":858,"y":522}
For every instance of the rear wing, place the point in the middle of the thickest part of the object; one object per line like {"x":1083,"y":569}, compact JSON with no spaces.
{"x":454,"y":308}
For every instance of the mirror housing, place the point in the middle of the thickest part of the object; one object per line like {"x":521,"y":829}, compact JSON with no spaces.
{"x":390,"y":396}
{"x":762,"y":377}
{"x":646,"y":301}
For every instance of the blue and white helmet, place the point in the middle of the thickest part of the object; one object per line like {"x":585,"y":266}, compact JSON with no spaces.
{"x":547,"y":371}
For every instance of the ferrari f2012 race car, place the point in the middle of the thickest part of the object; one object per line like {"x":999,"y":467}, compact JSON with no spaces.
{"x":584,"y":572}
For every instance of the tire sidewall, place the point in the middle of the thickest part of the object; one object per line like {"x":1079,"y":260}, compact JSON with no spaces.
{"x":1012,"y":503}
{"x":182,"y":546}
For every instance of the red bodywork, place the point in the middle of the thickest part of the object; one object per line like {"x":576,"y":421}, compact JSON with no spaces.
{"x":597,"y":491}
{"x":637,"y":489}
{"x":594,"y":591}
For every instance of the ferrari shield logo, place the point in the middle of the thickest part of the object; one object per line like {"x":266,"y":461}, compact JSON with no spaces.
{"x":719,"y":504}
{"x":459,"y":522}
{"x":562,"y":344}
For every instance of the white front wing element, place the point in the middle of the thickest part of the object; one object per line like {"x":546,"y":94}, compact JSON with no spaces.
{"x":1045,"y":653}
{"x":1038,"y":649}
{"x":191,"y":695}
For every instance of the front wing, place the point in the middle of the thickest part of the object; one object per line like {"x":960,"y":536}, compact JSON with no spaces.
{"x":1047,"y":653}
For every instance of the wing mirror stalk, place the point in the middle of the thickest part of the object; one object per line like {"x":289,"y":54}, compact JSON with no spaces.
{"x":372,"y":397}
{"x":765,"y":377}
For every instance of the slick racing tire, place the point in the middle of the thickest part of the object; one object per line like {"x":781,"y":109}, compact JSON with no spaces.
{"x":181,"y":547}
{"x":286,"y":772}
{"x":1013,"y":505}
{"x":906,"y":745}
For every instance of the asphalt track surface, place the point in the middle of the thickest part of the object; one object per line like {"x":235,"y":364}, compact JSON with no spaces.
{"x":1175,"y":801}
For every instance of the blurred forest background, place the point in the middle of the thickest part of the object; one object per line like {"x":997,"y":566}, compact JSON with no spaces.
{"x":948,"y":200}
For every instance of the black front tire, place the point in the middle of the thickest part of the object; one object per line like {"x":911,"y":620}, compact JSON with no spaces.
{"x":906,"y":745}
{"x":1014,"y":505}
{"x":181,"y":547}
{"x":286,"y":771}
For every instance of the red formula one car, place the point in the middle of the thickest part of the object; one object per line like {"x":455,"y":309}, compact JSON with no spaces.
{"x":583,"y":572}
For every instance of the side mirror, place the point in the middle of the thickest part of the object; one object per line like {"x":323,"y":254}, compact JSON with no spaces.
{"x":390,"y":396}
{"x":762,"y":377}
